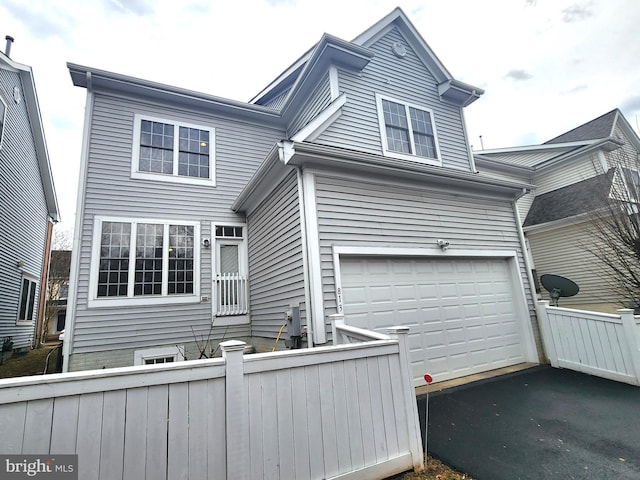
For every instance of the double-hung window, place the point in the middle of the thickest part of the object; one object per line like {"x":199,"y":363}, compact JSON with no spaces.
{"x":173,"y":151}
{"x":407,"y":131}
{"x":145,"y":262}
{"x":27,"y":300}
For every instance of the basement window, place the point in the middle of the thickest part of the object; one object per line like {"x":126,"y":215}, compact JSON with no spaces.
{"x":153,"y":356}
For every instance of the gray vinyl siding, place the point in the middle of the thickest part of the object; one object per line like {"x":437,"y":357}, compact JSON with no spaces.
{"x":568,"y":173}
{"x":562,"y":252}
{"x":626,"y":156}
{"x":361,"y":213}
{"x":315,"y":103}
{"x":25,"y":219}
{"x":405,"y":79}
{"x":110,"y":190}
{"x":278,"y":101}
{"x":276,"y":274}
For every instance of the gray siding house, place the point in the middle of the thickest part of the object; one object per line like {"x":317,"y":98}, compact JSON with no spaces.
{"x":574,"y":174}
{"x":345,"y":187}
{"x":28,"y":203}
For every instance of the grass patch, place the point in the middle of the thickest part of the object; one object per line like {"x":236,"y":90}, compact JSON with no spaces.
{"x":29,"y":363}
{"x":435,"y":470}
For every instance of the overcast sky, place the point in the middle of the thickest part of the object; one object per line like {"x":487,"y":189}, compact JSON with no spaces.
{"x":546,"y":65}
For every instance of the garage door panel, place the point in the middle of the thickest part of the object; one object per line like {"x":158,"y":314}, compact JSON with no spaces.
{"x":461,"y":312}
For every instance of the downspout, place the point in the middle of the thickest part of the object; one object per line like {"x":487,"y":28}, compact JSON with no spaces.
{"x":305,"y":262}
{"x":44,"y":287}
{"x":77,"y":231}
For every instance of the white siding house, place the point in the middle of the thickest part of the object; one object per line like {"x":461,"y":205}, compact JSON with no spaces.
{"x":352,"y":191}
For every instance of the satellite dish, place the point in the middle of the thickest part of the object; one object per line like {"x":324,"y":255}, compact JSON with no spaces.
{"x":558,"y":286}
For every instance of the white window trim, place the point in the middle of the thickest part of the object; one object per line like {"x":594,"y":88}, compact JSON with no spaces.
{"x":4,"y":120}
{"x":383,"y":132}
{"x":173,"y":178}
{"x":95,"y":302}
{"x":175,"y":351}
{"x":34,"y":280}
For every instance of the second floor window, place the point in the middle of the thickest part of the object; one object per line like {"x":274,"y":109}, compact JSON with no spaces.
{"x":407,"y":131}
{"x":173,"y":151}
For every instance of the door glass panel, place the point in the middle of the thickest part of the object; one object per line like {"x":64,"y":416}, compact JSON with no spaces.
{"x":229,"y":259}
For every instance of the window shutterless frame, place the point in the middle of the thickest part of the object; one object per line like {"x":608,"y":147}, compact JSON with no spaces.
{"x":171,"y":149}
{"x":413,"y":126}
{"x":26,"y":307}
{"x":131,"y":295}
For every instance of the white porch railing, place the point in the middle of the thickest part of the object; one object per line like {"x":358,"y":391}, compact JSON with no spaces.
{"x":596,"y":343}
{"x":334,"y":412}
{"x":231,"y":294}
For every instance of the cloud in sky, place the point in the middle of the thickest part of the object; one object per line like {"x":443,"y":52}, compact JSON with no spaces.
{"x":575,"y":60}
{"x":518,"y":75}
{"x":577,"y":12}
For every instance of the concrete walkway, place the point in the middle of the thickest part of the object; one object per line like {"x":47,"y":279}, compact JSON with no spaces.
{"x":540,"y":423}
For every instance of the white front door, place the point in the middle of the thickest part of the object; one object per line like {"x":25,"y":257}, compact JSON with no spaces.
{"x":230,"y":280}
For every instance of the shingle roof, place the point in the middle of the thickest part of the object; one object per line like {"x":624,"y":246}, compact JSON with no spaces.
{"x":571,"y":200}
{"x":600,"y":127}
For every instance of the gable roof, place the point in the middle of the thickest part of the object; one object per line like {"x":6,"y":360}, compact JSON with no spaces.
{"x":450,"y":89}
{"x":601,"y":127}
{"x":37,"y":132}
{"x":572,"y":200}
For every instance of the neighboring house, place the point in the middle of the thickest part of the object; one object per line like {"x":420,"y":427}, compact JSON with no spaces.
{"x":57,"y":293}
{"x":573,"y":175}
{"x":28,"y":203}
{"x":193,"y":210}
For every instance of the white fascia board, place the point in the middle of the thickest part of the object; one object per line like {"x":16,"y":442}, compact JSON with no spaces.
{"x":530,"y":148}
{"x":557,"y":224}
{"x":168,"y":93}
{"x":40,"y":143}
{"x":331,"y":156}
{"x":283,"y":76}
{"x":398,"y":19}
{"x":263,"y":181}
{"x":322,"y":121}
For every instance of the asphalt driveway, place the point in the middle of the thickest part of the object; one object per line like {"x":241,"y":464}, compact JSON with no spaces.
{"x":541,"y":423}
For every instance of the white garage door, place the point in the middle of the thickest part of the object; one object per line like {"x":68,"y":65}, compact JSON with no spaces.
{"x":461,"y":312}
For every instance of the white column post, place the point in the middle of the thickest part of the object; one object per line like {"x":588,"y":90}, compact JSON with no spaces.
{"x":401,"y":334}
{"x":546,"y":330}
{"x":632,"y":337}
{"x":237,"y":410}
{"x":336,"y":320}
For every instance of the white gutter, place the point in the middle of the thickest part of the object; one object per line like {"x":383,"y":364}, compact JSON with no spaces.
{"x":77,"y":231}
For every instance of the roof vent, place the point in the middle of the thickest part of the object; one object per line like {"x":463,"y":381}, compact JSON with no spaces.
{"x":7,"y":49}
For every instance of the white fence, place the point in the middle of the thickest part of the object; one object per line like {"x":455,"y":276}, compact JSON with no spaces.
{"x":344,"y":411}
{"x":595,"y":343}
{"x":230,"y":292}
